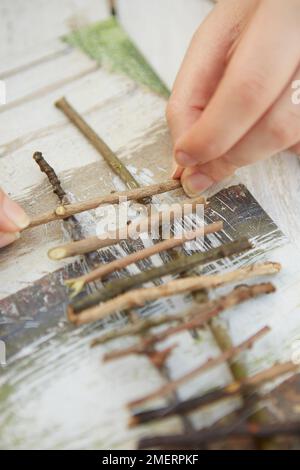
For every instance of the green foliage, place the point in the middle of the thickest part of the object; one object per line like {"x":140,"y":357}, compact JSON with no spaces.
{"x":108,"y":44}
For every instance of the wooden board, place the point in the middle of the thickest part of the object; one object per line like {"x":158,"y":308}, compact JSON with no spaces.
{"x":55,"y":392}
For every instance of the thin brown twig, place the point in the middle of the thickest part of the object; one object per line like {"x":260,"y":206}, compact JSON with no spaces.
{"x":109,"y":156}
{"x":229,"y":391}
{"x":225,"y":356}
{"x":63,"y":211}
{"x":128,"y":232}
{"x":205,"y":313}
{"x":240,"y":430}
{"x":77,"y":284}
{"x":138,"y":297}
{"x":136,"y":328}
{"x":177,"y":266}
{"x":145,"y":324}
{"x":51,"y":175}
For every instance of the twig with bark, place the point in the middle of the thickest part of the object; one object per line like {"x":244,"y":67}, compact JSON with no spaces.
{"x":138,"y":297}
{"x":216,"y":361}
{"x":128,"y":232}
{"x":179,"y":265}
{"x":77,"y":284}
{"x":205,"y":313}
{"x":234,"y":388}
{"x":63,"y":211}
{"x":238,"y":430}
{"x":52,"y":177}
{"x":109,"y":156}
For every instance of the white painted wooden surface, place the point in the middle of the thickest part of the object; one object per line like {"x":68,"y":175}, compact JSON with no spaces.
{"x":163,"y":29}
{"x":79,"y":402}
{"x":29,"y":28}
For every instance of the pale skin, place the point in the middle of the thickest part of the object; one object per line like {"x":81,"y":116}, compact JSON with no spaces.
{"x":231,"y":104}
{"x":12,"y":220}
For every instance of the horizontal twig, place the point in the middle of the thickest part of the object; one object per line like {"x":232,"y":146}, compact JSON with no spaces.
{"x":137,"y":328}
{"x":143,"y":225}
{"x":138,"y":297}
{"x":238,"y":430}
{"x":223,"y":357}
{"x":229,"y":391}
{"x":66,"y":210}
{"x":206,"y":312}
{"x":177,"y":266}
{"x":77,"y":284}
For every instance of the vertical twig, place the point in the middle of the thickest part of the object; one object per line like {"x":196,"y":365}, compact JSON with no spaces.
{"x":109,"y":156}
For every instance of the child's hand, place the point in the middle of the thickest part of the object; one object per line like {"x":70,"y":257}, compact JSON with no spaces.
{"x":12,"y":220}
{"x":232,"y":100}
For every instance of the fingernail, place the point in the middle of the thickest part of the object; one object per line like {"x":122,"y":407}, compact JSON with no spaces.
{"x":196,"y":183}
{"x":176,"y":172}
{"x":15,"y":213}
{"x":184,"y":159}
{"x":8,"y":238}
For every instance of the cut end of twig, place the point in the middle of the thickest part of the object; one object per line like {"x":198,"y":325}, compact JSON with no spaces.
{"x":95,"y":342}
{"x":57,"y":253}
{"x":276,"y":267}
{"x":133,"y":422}
{"x":75,"y":285}
{"x":59,"y":103}
{"x":60,"y":211}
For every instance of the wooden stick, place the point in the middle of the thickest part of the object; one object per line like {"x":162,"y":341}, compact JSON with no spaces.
{"x":229,"y":391}
{"x":205,"y":313}
{"x":138,"y":297}
{"x":179,"y":265}
{"x":153,"y":221}
{"x":51,"y":175}
{"x":64,"y":211}
{"x":109,"y":156}
{"x":136,"y":328}
{"x":77,"y":284}
{"x":223,"y":357}
{"x":238,"y":430}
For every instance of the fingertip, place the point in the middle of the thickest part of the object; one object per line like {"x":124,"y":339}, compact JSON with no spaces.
{"x":8,"y":238}
{"x":12,"y":217}
{"x":194,"y":183}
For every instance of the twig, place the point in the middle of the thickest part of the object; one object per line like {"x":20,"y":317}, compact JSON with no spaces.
{"x":179,"y":265}
{"x":233,"y":389}
{"x":64,"y":211}
{"x":179,"y":441}
{"x":109,"y":156}
{"x":136,"y":328}
{"x":225,"y":356}
{"x":77,"y":284}
{"x":112,"y":7}
{"x":206,"y":310}
{"x":158,"y":358}
{"x":152,"y":222}
{"x":138,"y":297}
{"x":205,"y":313}
{"x":51,"y":175}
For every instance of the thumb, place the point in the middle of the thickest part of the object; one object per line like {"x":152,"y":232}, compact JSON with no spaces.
{"x":198,"y":178}
{"x":12,"y":216}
